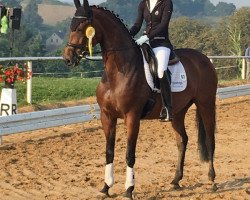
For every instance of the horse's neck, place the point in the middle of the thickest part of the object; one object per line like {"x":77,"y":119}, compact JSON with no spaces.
{"x":115,"y":37}
{"x":121,"y":64}
{"x":121,"y":55}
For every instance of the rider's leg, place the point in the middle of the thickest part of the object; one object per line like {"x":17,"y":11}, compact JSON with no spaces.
{"x":162,"y":55}
{"x":166,"y":114}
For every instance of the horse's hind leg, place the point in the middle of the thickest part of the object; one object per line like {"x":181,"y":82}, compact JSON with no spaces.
{"x":109,"y":127}
{"x":206,"y":125}
{"x":182,"y":140}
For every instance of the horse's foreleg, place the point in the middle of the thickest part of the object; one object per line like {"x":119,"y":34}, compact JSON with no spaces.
{"x":133,"y":124}
{"x":109,"y":127}
{"x":182,"y":140}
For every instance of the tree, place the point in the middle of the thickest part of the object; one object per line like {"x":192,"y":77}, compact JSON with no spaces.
{"x":28,"y":40}
{"x":4,"y":46}
{"x":126,"y":9}
{"x":198,"y":8}
{"x":209,"y":8}
{"x":186,"y":32}
{"x":224,"y":9}
{"x":22,"y":37}
{"x":234,"y":26}
{"x":30,"y":16}
{"x":185,"y":7}
{"x":238,"y":31}
{"x":241,"y":20}
{"x":63,"y":27}
{"x":35,"y":46}
{"x":11,"y":3}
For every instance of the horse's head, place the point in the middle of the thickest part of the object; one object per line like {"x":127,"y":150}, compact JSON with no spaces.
{"x":81,"y":35}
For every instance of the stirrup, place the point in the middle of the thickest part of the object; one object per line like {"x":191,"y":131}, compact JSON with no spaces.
{"x":165,"y":116}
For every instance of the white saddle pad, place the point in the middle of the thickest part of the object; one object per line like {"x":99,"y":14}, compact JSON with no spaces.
{"x":178,"y":77}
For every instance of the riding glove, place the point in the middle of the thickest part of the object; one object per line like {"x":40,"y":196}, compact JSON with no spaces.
{"x":142,"y":40}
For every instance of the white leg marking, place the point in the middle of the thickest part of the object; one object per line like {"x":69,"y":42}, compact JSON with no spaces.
{"x":130,"y":178}
{"x":109,"y":174}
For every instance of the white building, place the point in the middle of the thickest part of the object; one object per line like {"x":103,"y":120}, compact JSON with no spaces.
{"x":54,"y":42}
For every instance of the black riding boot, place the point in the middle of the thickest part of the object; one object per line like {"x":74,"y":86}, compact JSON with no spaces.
{"x":166,"y":112}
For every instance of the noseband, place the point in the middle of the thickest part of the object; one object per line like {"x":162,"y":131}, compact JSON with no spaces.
{"x":77,"y":46}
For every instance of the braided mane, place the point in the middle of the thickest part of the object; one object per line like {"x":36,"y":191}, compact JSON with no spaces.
{"x":114,"y":16}
{"x":80,"y":12}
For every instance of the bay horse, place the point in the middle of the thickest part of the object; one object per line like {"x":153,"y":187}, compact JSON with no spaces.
{"x":123,"y":91}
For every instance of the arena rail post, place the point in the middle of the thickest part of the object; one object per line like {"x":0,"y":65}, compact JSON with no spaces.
{"x":29,"y":83}
{"x":248,"y":70}
{"x":247,"y":62}
{"x":243,"y":69}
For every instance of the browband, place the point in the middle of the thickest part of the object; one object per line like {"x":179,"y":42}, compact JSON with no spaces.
{"x":80,"y":17}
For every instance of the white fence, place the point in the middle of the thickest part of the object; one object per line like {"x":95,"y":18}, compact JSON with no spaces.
{"x":45,"y":119}
{"x":49,"y":118}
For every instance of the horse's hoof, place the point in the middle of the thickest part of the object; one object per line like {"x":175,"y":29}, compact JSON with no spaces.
{"x":102,"y":196}
{"x":105,"y":190}
{"x":248,"y":190}
{"x":176,"y":187}
{"x":214,"y":187}
{"x":128,"y":193}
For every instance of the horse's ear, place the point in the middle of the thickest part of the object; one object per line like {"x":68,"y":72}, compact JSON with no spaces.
{"x":87,"y":9}
{"x":77,"y":3}
{"x":86,"y":5}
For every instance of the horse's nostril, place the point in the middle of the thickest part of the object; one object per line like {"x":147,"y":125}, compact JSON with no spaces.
{"x":67,"y":61}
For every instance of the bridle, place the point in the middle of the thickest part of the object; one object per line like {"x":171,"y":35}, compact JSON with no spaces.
{"x":83,"y":48}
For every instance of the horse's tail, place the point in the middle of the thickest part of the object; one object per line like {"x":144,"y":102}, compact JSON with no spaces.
{"x":202,"y":147}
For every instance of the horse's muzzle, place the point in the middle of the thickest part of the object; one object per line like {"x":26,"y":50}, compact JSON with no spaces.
{"x":70,"y":58}
{"x":71,"y":62}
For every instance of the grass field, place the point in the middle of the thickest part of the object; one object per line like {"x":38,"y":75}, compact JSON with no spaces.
{"x":49,"y":90}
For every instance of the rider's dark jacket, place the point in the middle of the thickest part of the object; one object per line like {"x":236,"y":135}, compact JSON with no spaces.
{"x":157,"y":22}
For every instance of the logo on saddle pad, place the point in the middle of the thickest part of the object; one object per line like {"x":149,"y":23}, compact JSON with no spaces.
{"x":178,"y":77}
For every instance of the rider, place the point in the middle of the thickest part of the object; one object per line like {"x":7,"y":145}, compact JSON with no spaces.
{"x":157,"y":14}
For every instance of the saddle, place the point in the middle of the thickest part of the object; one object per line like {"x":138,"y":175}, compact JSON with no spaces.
{"x":152,"y":61}
{"x":153,"y":66}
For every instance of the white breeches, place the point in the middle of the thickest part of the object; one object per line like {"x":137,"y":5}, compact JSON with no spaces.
{"x":162,"y":54}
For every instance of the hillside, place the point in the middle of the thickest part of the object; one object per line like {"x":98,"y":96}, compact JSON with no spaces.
{"x":52,"y":11}
{"x":52,"y":14}
{"x":52,"y":2}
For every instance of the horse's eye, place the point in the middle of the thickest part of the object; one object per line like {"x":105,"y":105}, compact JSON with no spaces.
{"x":79,"y":30}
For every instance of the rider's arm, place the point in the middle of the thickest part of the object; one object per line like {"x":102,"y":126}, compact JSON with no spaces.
{"x":167,"y":12}
{"x":138,"y":23}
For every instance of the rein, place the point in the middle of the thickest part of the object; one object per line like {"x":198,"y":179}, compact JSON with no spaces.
{"x":84,"y":55}
{"x":108,"y":50}
{"x":121,"y":49}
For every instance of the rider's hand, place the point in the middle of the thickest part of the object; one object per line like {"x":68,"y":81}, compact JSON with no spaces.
{"x":142,"y":40}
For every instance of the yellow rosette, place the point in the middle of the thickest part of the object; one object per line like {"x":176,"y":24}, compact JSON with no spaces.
{"x":90,"y":33}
